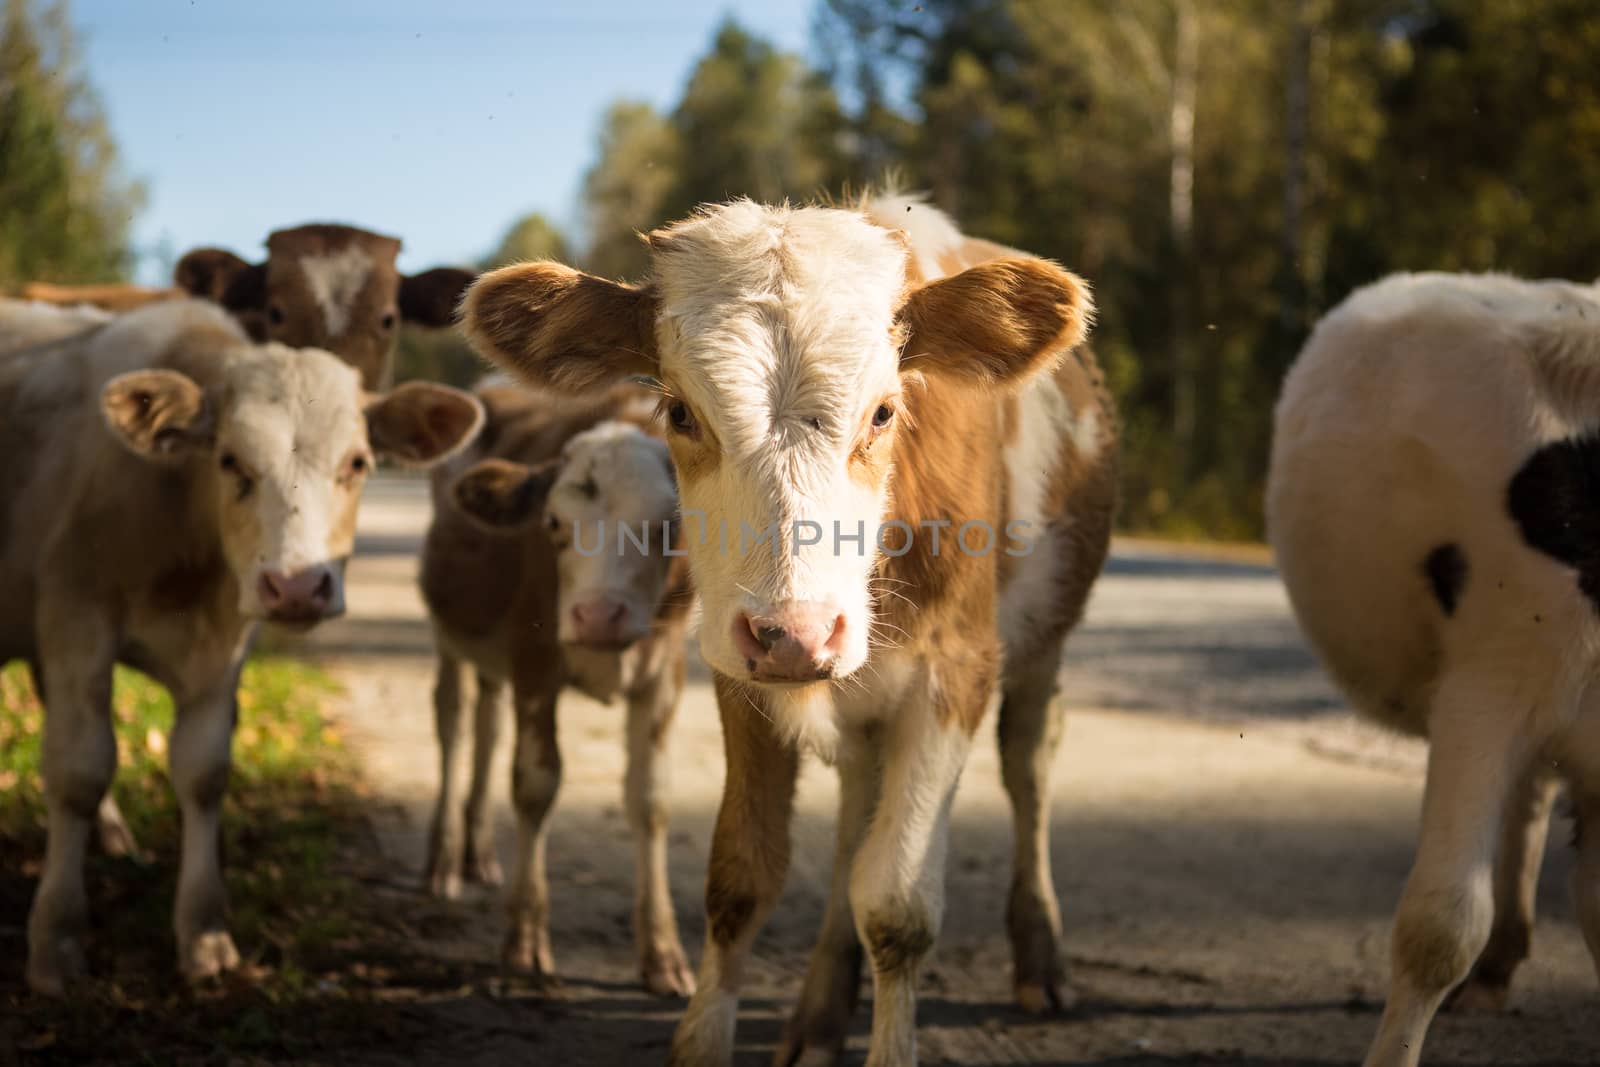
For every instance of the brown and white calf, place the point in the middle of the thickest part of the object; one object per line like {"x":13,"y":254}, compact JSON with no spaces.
{"x":1433,"y":505}
{"x":548,"y":565}
{"x":330,"y":287}
{"x":908,"y":416}
{"x":165,"y":484}
{"x":321,"y":286}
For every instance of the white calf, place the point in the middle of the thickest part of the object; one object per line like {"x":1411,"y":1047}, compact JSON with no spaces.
{"x":1434,"y":502}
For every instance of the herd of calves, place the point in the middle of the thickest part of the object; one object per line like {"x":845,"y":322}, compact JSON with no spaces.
{"x":879,"y":457}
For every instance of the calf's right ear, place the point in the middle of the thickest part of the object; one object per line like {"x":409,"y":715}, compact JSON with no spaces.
{"x":556,"y":327}
{"x":158,"y":414}
{"x":502,"y":495}
{"x":218,"y":275}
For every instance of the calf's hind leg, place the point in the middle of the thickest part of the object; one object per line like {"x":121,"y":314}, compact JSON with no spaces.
{"x":1516,"y":885}
{"x":1442,"y":924}
{"x":1030,"y":727}
{"x":1586,"y":875}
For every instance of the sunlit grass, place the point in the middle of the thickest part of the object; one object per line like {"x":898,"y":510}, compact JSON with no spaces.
{"x":290,"y":804}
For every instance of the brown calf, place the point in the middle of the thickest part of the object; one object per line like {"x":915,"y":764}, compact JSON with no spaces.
{"x":906,"y":416}
{"x":327,"y":286}
{"x":528,"y":578}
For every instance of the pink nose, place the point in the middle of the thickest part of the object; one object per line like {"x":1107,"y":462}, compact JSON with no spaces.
{"x":304,"y":596}
{"x":793,"y":642}
{"x":602,"y":622}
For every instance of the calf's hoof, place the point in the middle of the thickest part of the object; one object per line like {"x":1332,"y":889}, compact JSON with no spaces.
{"x":667,"y":972}
{"x":797,"y":1050}
{"x":55,"y":964}
{"x":208,"y":955}
{"x":444,"y":882}
{"x":482,"y":866}
{"x":1043,"y":997}
{"x":528,"y":953}
{"x":1476,"y":996}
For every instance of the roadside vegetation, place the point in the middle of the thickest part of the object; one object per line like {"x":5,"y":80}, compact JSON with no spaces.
{"x":295,"y":842}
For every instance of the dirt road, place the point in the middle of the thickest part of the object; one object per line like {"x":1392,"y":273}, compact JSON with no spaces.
{"x":1229,"y":845}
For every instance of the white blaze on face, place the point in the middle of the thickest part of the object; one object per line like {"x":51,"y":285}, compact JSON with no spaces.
{"x":615,"y":494}
{"x":335,"y":280}
{"x":778,"y":333}
{"x":290,"y":427}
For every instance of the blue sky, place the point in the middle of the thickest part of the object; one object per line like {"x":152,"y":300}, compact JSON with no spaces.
{"x":436,"y":122}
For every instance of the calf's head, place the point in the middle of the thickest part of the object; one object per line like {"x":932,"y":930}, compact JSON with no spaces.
{"x":786,"y":341}
{"x":278,"y":450}
{"x":330,"y":287}
{"x":607,"y":509}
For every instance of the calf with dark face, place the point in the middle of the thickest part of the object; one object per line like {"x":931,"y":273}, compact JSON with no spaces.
{"x":547,"y":566}
{"x":167,"y":485}
{"x":330,"y":287}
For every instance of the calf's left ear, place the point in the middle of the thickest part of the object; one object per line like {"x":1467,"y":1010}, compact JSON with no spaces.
{"x":158,"y":414}
{"x":420,"y":423}
{"x":559,"y":328}
{"x":996,"y":323}
{"x":502,"y":495}
{"x":429,"y":299}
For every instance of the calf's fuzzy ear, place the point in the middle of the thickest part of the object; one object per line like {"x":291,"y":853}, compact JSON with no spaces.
{"x":561,"y":329}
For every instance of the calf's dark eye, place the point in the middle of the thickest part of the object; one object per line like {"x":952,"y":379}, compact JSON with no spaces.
{"x":228,"y":462}
{"x":883,"y":416}
{"x":275,"y":315}
{"x":552,"y":523}
{"x":678,"y":415}
{"x":387,"y":322}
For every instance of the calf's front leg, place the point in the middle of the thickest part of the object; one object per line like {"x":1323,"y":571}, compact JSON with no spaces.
{"x":535,"y":779}
{"x":816,"y":1032}
{"x":749,"y":859}
{"x":444,"y":837}
{"x":897,"y":883}
{"x":199,"y":760}
{"x":480,"y":862}
{"x":116,"y":837}
{"x":662,"y":962}
{"x":79,"y":758}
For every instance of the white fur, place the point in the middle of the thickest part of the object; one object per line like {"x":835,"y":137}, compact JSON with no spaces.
{"x":1408,"y":413}
{"x":631,"y":474}
{"x":1044,"y":418}
{"x":932,"y":233}
{"x":24,"y":323}
{"x":335,"y":278}
{"x":773,"y":318}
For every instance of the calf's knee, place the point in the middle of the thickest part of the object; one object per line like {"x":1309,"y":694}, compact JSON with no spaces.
{"x":1438,"y":935}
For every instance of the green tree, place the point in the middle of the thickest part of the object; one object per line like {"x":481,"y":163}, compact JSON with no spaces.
{"x":65,"y":210}
{"x":625,"y":192}
{"x":756,"y":122}
{"x":531,"y":237}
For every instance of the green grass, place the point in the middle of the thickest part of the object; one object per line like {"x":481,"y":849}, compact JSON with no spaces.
{"x":296,"y":913}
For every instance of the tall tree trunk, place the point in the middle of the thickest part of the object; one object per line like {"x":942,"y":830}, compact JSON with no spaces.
{"x":1292,"y":306}
{"x":1185,"y":78}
